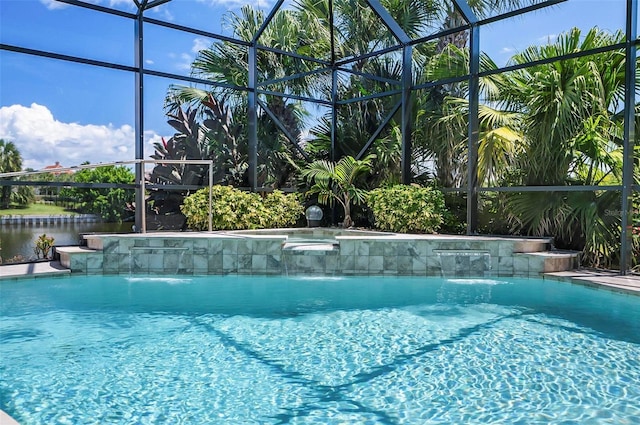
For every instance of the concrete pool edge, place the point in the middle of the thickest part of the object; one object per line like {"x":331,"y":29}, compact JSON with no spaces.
{"x":599,"y":279}
{"x":5,"y":419}
{"x":29,"y":270}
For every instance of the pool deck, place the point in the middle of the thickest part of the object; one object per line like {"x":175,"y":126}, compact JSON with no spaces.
{"x":595,"y":278}
{"x":44,"y":268}
{"x":5,"y":419}
{"x":600,"y":279}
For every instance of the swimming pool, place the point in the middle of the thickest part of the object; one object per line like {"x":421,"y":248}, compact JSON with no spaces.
{"x":269,"y":350}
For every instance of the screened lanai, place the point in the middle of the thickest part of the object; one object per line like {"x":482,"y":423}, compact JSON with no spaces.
{"x":522,"y":111}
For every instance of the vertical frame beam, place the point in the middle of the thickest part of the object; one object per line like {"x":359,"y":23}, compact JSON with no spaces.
{"x":334,"y":114}
{"x":332,"y":40}
{"x":252,"y":102}
{"x":473,"y":131}
{"x":334,"y":86}
{"x":629,"y":136}
{"x":139,"y":119}
{"x":252,"y":110}
{"x":407,"y":81}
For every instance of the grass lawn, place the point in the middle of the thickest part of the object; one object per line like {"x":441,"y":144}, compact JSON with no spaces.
{"x":36,"y":209}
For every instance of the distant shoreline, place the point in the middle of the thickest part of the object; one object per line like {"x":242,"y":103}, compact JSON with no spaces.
{"x":37,"y":220}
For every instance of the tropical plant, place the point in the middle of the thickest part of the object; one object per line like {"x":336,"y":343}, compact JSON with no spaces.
{"x":550,"y":124}
{"x":226,"y":63}
{"x":234,"y":209}
{"x":189,"y":142}
{"x":43,"y":246}
{"x":108,"y":203}
{"x":407,"y":208}
{"x":23,"y":195}
{"x":10,"y":161}
{"x":339,"y":181}
{"x":282,"y":210}
{"x":572,"y":136}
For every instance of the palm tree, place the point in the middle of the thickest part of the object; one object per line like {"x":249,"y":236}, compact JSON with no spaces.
{"x":339,"y":182}
{"x":572,"y":135}
{"x":10,"y":160}
{"x":553,"y":124}
{"x":227,"y":63}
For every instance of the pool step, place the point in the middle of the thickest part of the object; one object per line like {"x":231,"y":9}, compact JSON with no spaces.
{"x":79,"y":259}
{"x":545,"y":261}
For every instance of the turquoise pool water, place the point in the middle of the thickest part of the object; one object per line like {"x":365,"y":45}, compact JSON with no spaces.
{"x":267,"y":350}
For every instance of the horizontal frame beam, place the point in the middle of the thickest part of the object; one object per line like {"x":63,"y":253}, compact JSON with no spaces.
{"x":292,"y":55}
{"x":99,"y":8}
{"x":294,"y":96}
{"x":111,"y":65}
{"x":195,"y":31}
{"x":381,"y":52}
{"x":369,"y":76}
{"x":67,"y":58}
{"x":539,"y":189}
{"x":520,"y":11}
{"x":293,"y":77}
{"x":370,"y":97}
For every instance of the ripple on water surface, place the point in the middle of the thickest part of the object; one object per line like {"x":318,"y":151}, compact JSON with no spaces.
{"x":437,"y":354}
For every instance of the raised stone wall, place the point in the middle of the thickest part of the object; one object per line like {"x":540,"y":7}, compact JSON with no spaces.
{"x":407,"y":255}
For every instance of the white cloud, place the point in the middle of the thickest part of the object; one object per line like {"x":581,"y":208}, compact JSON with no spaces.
{"x":201,"y":44}
{"x":53,"y":4}
{"x":183,"y":61}
{"x":507,"y":50}
{"x":128,"y":3}
{"x":42,"y":140}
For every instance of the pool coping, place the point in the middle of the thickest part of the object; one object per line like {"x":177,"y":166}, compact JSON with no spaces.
{"x":602,"y":279}
{"x":5,"y":419}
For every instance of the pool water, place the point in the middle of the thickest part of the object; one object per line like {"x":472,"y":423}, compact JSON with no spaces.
{"x":274,"y":350}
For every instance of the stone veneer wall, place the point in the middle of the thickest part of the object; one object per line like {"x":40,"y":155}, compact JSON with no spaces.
{"x":410,"y":255}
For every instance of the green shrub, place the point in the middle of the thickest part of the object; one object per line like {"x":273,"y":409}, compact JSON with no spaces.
{"x":233,"y":209}
{"x":282,"y":210}
{"x":408,"y":209}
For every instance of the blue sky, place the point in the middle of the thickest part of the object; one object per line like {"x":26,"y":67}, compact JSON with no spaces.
{"x":58,"y":111}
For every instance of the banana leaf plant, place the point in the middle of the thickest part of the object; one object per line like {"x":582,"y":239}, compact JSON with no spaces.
{"x":339,"y":181}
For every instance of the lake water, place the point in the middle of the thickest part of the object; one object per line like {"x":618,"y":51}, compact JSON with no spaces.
{"x":20,"y":240}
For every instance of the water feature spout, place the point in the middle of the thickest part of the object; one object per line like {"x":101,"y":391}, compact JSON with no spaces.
{"x":145,"y":260}
{"x":463,"y":262}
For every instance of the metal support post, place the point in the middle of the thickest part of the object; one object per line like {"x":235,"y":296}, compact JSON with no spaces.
{"x":252,"y":110}
{"x":473,"y":131}
{"x":629,"y":137}
{"x":407,"y":80}
{"x":139,"y":119}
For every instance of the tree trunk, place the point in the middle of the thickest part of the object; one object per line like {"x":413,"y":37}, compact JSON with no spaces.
{"x":347,"y":215}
